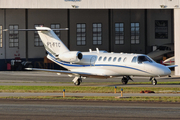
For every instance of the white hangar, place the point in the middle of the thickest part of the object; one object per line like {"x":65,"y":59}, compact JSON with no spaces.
{"x":132,"y":26}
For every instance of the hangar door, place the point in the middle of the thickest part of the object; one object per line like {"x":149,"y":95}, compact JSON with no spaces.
{"x":128,"y":29}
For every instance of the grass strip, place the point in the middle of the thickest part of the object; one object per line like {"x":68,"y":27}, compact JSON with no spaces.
{"x":86,"y":89}
{"x":100,"y":98}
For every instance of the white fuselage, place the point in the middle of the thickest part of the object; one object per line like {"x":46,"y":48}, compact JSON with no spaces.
{"x":114,"y":64}
{"x":98,"y":63}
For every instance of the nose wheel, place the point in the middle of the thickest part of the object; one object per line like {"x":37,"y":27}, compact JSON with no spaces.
{"x":153,"y":81}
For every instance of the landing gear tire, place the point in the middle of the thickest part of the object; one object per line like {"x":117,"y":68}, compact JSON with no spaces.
{"x":78,"y":82}
{"x":154,"y":81}
{"x":124,"y":80}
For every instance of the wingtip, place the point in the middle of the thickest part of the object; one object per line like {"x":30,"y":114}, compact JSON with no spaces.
{"x":5,"y":30}
{"x":172,"y":66}
{"x":28,"y":68}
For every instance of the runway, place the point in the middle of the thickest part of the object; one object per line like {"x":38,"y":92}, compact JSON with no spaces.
{"x":80,"y":110}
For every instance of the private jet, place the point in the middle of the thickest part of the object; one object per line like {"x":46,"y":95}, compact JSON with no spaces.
{"x":98,"y":64}
{"x":169,"y":61}
{"x":166,"y":50}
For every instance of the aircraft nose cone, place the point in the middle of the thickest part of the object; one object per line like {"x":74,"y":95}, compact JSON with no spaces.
{"x":163,"y":70}
{"x":167,"y":71}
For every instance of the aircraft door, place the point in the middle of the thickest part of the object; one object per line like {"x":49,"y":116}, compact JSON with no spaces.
{"x":93,"y":60}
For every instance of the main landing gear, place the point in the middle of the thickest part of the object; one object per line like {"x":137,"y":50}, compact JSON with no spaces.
{"x":125,"y":79}
{"x":77,"y":81}
{"x":153,"y":81}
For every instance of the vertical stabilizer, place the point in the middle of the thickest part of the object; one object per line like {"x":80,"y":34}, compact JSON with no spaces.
{"x":51,"y":41}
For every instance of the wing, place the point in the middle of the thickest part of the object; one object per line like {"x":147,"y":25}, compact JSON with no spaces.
{"x":84,"y":74}
{"x":170,"y":66}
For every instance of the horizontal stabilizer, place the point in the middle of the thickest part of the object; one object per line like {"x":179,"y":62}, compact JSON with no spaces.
{"x":33,"y":29}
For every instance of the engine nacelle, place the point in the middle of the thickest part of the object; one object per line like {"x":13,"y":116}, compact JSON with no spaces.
{"x":71,"y":56}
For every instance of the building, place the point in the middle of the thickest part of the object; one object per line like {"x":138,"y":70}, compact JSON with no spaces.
{"x":132,"y":26}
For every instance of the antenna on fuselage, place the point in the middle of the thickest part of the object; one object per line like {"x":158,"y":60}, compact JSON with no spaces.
{"x":97,"y":50}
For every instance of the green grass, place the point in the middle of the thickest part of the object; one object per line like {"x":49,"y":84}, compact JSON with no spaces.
{"x":86,"y":89}
{"x":95,"y":98}
{"x":91,"y":89}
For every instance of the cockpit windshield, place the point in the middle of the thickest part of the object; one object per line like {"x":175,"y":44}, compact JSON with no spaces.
{"x":143,"y":59}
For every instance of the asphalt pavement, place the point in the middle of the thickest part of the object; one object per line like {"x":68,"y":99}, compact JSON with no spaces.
{"x":42,"y":78}
{"x":89,"y":110}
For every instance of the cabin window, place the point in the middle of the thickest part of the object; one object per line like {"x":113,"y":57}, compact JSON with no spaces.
{"x":134,"y":60}
{"x":119,"y":59}
{"x":114,"y":59}
{"x":124,"y":59}
{"x":163,"y":48}
{"x":143,"y":59}
{"x":104,"y":58}
{"x":110,"y":59}
{"x":100,"y":58}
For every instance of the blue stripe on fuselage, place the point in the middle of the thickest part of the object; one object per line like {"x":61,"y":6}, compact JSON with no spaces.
{"x":76,"y":65}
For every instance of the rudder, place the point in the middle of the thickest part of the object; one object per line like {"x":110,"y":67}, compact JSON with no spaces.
{"x":51,"y":41}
